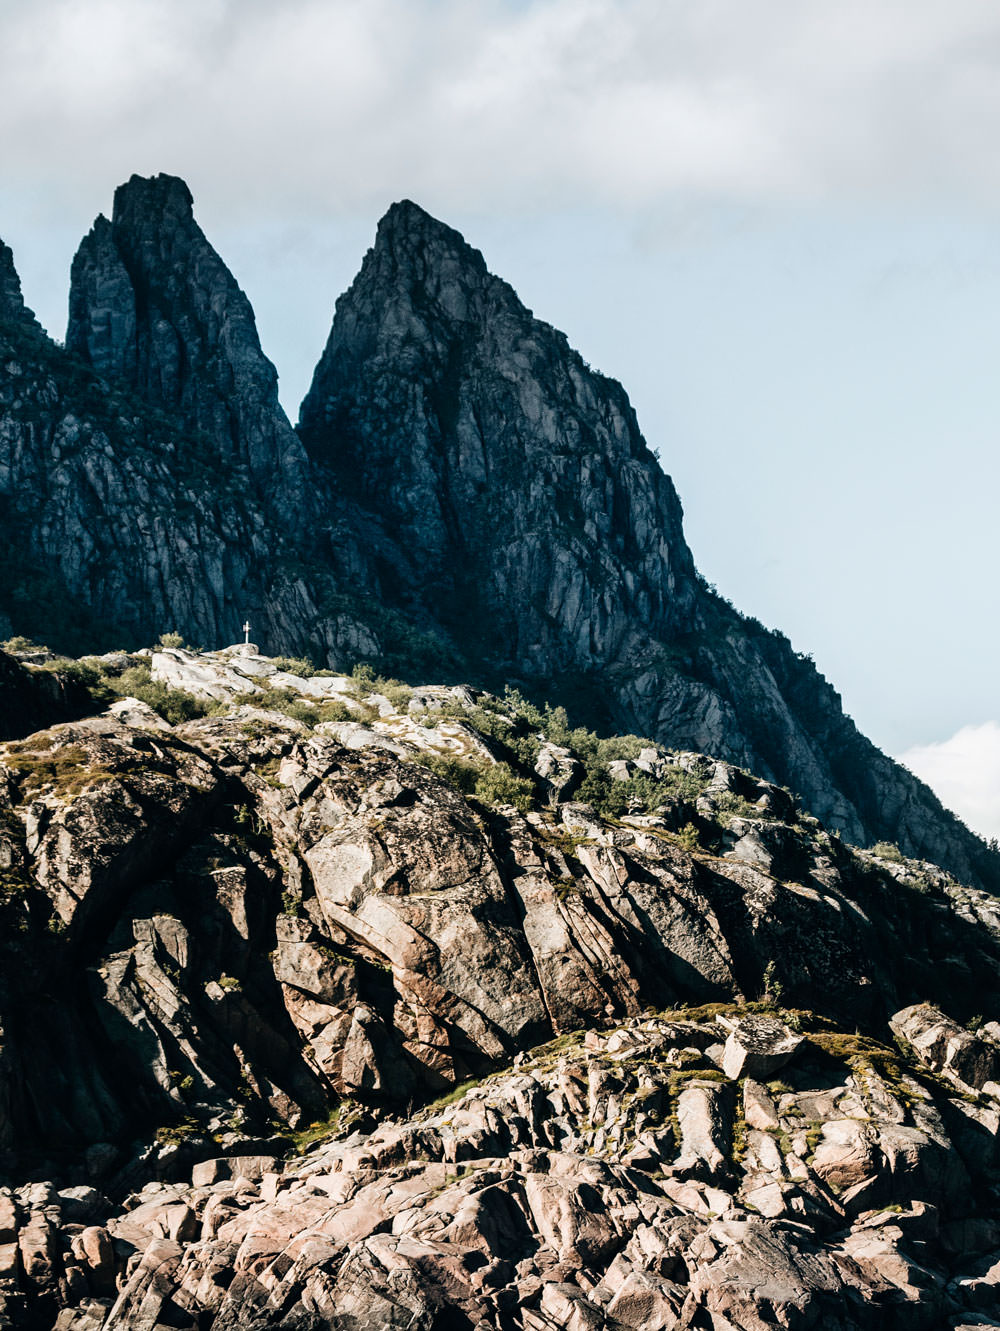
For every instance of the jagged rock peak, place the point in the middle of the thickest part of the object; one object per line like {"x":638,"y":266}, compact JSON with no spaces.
{"x":481,"y":440}
{"x":407,"y":230}
{"x":154,"y":198}
{"x":432,"y":269}
{"x":153,"y":305}
{"x":12,"y":306}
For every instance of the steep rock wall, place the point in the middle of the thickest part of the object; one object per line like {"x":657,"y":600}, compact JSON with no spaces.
{"x":468,"y":496}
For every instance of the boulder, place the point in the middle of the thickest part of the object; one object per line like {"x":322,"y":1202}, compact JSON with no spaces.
{"x":947,"y":1048}
{"x":560,"y":772}
{"x":757,"y":1046}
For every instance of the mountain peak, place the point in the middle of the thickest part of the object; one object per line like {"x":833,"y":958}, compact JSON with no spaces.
{"x":144,"y":198}
{"x":153,"y":306}
{"x":12,"y":306}
{"x":409,"y":233}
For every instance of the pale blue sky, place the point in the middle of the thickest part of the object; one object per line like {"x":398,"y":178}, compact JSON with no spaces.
{"x":778,"y":225}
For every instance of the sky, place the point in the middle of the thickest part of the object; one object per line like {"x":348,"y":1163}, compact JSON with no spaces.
{"x":777,"y":223}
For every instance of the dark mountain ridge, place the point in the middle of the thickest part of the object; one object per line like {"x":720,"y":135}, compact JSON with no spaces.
{"x":464,"y":496}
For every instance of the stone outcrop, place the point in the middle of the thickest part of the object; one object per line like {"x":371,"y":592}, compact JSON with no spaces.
{"x":948,"y":1048}
{"x":467,"y":496}
{"x":32,"y":700}
{"x":757,"y":1047}
{"x":606,"y":1182}
{"x":243,"y":953}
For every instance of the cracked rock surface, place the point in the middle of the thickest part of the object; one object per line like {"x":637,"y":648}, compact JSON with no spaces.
{"x":297,"y":1033}
{"x":463,"y":493}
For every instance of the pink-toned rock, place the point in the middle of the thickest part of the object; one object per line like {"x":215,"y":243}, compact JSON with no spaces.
{"x":146,"y":1300}
{"x":38,"y":1244}
{"x":946,"y":1047}
{"x":757,"y":1046}
{"x":572,"y":1220}
{"x":645,"y":1300}
{"x":8,"y":1217}
{"x":758,"y":1108}
{"x":93,"y":1249}
{"x":704,"y":1118}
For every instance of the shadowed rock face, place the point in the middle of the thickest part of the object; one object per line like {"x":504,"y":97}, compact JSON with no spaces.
{"x":513,"y":479}
{"x":12,"y":306}
{"x":32,"y":701}
{"x":218,"y":932}
{"x":153,"y":307}
{"x":515,"y":504}
{"x":469,"y":492}
{"x":148,"y":478}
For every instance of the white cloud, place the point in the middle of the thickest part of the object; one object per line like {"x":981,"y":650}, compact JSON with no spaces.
{"x":342,"y":104}
{"x":964,"y":772}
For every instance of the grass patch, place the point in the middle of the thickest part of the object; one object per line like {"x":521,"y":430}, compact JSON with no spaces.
{"x":294,"y":665}
{"x":63,"y":770}
{"x":888,"y":850}
{"x":453,"y":1096}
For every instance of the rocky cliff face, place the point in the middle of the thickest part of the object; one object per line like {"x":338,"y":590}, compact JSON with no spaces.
{"x":511,"y":479}
{"x":148,"y":478}
{"x":519,"y":508}
{"x":12,"y":306}
{"x":154,"y":308}
{"x":704,"y":1064}
{"x":467,"y":491}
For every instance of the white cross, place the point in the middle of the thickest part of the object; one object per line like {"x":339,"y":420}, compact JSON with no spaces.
{"x":246,"y":631}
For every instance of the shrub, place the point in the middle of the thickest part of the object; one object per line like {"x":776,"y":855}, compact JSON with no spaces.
{"x":772,"y":986}
{"x":171,"y":640}
{"x":295,"y":665}
{"x":886,"y":850}
{"x":284,"y":701}
{"x":458,"y":772}
{"x":364,"y":679}
{"x":174,"y":705}
{"x":398,"y":694}
{"x":502,"y":785}
{"x":688,"y":837}
{"x":87,"y":673}
{"x":729,"y":806}
{"x":332,"y":709}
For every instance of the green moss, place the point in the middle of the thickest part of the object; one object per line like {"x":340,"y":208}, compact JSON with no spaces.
{"x":340,"y":1120}
{"x":814,"y":1135}
{"x":176,"y":1133}
{"x":64,"y":770}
